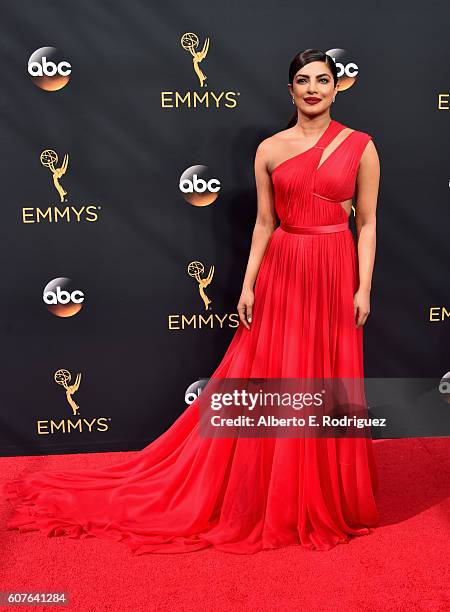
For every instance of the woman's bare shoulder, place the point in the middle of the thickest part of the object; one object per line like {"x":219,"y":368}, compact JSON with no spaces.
{"x":271,"y":145}
{"x":276,"y":138}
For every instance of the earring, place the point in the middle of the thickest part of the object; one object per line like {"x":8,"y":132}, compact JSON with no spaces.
{"x":334,"y":99}
{"x":292,"y":100}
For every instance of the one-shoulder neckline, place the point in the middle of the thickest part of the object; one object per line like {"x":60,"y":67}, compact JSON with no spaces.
{"x":332,"y":122}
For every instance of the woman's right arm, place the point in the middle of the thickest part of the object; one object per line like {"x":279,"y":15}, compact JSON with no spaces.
{"x":266,"y":223}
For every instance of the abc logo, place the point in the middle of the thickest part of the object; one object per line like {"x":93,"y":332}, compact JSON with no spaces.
{"x":61,"y":298}
{"x":48,"y":70}
{"x":194,"y":390}
{"x":197,"y":188}
{"x":444,"y":387}
{"x":347,"y":71}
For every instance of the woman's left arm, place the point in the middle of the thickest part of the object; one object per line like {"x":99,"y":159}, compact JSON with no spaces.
{"x":367,"y":184}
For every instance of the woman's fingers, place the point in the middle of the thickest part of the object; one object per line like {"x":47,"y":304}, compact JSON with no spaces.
{"x":242,"y":310}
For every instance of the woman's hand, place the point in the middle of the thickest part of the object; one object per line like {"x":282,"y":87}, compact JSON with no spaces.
{"x":361,"y":303}
{"x":245,"y":306}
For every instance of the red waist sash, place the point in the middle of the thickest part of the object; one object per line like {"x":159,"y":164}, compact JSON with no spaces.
{"x":314,"y":229}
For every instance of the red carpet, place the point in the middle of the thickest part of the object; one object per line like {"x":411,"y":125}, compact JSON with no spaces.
{"x":402,"y":565}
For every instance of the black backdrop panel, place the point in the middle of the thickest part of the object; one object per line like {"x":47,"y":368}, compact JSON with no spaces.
{"x":132,"y":119}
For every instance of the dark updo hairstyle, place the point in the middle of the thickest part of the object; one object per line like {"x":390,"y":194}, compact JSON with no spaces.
{"x":300,"y":60}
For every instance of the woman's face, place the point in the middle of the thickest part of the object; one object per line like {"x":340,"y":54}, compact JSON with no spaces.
{"x":313,"y":88}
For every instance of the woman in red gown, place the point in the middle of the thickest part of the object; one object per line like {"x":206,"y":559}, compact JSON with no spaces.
{"x":304,"y":301}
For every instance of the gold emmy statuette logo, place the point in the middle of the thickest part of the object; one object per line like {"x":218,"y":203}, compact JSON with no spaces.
{"x":62,"y":377}
{"x":195,"y":269}
{"x":190,"y":42}
{"x":49,"y":158}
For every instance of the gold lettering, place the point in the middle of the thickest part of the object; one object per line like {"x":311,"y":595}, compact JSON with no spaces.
{"x":230,"y":96}
{"x":438,"y":313}
{"x":55,"y":214}
{"x":89,"y":423}
{"x":62,"y":213}
{"x":200,"y":321}
{"x":208,"y":319}
{"x":42,"y":427}
{"x":194,"y":99}
{"x":92,"y":210}
{"x":201,"y":99}
{"x":47,"y":212}
{"x":433,"y":313}
{"x":67,"y":426}
{"x":102,"y":424}
{"x":443,"y":101}
{"x":57,"y":426}
{"x":178,"y":96}
{"x":172,"y":319}
{"x":221,"y":320}
{"x":163,"y":99}
{"x":235,"y":317}
{"x":26,"y":214}
{"x":71,"y":425}
{"x":184,"y":318}
{"x":217,"y":99}
{"x":78,"y":214}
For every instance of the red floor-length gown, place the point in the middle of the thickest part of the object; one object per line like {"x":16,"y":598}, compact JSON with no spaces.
{"x":184,"y":492}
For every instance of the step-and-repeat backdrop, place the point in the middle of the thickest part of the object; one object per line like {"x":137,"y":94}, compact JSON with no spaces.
{"x":128,"y":135}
